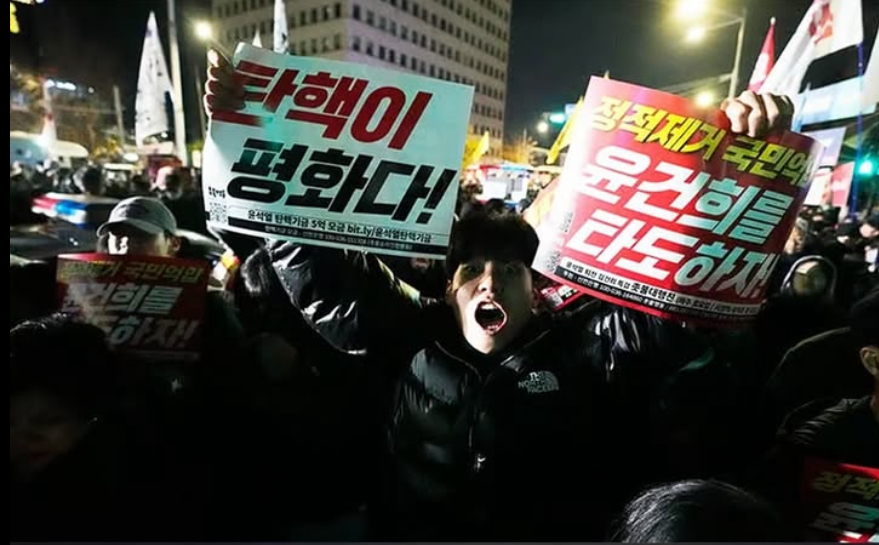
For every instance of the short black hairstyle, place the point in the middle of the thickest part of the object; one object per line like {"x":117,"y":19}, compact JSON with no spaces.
{"x":66,"y":357}
{"x":864,"y":320}
{"x":699,"y":510}
{"x":492,"y":237}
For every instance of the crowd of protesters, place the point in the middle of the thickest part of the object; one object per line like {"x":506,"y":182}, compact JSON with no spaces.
{"x":344,"y":395}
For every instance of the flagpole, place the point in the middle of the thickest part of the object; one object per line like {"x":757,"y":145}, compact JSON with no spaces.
{"x":737,"y":63}
{"x":179,"y":116}
{"x":856,"y":178}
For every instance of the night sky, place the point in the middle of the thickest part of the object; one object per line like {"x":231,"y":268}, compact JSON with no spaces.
{"x":556,"y":45}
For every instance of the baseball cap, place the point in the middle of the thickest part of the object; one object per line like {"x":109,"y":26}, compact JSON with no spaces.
{"x":143,"y":213}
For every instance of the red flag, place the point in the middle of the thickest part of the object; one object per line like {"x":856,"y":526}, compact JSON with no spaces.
{"x":765,"y":61}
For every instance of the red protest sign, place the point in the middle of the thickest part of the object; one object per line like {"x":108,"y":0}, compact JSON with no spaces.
{"x":840,"y":502}
{"x":151,"y":306}
{"x":662,"y":209}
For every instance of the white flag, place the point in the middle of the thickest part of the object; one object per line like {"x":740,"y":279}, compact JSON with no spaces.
{"x":153,"y":82}
{"x":279,"y":44}
{"x":257,"y":39}
{"x":829,"y":25}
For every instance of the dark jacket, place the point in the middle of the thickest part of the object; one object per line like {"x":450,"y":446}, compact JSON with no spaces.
{"x":483,"y":446}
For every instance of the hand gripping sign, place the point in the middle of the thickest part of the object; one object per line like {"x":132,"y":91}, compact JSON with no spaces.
{"x":151,"y":306}
{"x":662,"y":209}
{"x":337,"y":154}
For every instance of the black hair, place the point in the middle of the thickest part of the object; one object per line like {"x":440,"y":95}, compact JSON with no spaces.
{"x":864,"y":320}
{"x":699,"y":510}
{"x":500,"y":237}
{"x":64,"y":356}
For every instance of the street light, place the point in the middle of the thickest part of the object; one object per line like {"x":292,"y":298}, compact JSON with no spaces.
{"x":543,"y":127}
{"x":705,"y":99}
{"x":557,"y":118}
{"x":690,"y":8}
{"x":695,"y":34}
{"x":204,"y":31}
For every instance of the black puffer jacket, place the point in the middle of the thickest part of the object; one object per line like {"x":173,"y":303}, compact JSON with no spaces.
{"x":506,"y":446}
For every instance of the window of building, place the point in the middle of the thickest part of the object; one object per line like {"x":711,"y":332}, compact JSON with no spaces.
{"x":415,"y":37}
{"x":303,"y":47}
{"x":314,"y":18}
{"x":382,"y":52}
{"x":415,"y":9}
{"x":394,"y":3}
{"x":303,"y":18}
{"x":382,"y":23}
{"x":403,"y":60}
{"x":432,"y":71}
{"x":392,"y":26}
{"x":413,"y":63}
{"x":442,"y":49}
{"x":369,"y":49}
{"x":337,"y":42}
{"x":355,"y":43}
{"x":404,"y":5}
{"x":433,"y":19}
{"x":404,"y":32}
{"x":324,"y":44}
{"x":433,"y":45}
{"x":422,"y":67}
{"x":327,"y":12}
{"x":443,"y":25}
{"x":457,"y":55}
{"x":337,"y":10}
{"x":424,"y":41}
{"x":292,"y":48}
{"x":355,"y":12}
{"x":370,"y":18}
{"x":313,"y":46}
{"x":392,"y":56}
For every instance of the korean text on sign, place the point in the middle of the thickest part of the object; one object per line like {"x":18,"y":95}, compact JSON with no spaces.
{"x":840,"y":502}
{"x":661,"y":208}
{"x":147,"y":305}
{"x":337,"y":154}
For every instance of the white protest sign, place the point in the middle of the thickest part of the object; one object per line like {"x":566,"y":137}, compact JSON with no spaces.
{"x":337,"y":154}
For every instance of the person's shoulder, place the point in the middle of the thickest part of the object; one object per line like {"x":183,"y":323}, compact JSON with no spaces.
{"x":821,"y":423}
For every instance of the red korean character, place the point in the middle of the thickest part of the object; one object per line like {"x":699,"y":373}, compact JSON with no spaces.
{"x":284,"y":87}
{"x":396,"y":101}
{"x":336,"y":108}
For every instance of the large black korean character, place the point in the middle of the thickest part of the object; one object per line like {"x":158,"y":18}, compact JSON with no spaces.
{"x":325,"y":171}
{"x":268,"y":191}
{"x":367,"y":203}
{"x":257,"y":157}
{"x":418,"y":190}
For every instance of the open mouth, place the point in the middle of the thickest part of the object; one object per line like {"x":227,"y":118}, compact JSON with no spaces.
{"x":491,"y":317}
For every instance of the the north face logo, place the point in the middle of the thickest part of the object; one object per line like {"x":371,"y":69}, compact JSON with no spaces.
{"x":539,"y":382}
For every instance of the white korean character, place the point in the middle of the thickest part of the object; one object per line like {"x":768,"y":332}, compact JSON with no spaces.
{"x":129,"y":330}
{"x":87,"y":297}
{"x":678,"y":182}
{"x":647,"y":246}
{"x":183,"y":331}
{"x":762,"y":276}
{"x":741,"y":281}
{"x":159,"y":335}
{"x":160,"y":300}
{"x":718,"y":202}
{"x":848,"y":519}
{"x":696,"y":269}
{"x":127,"y":297}
{"x":614,"y":167}
{"x":601,"y":222}
{"x":762,"y":218}
{"x":726,"y":266}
